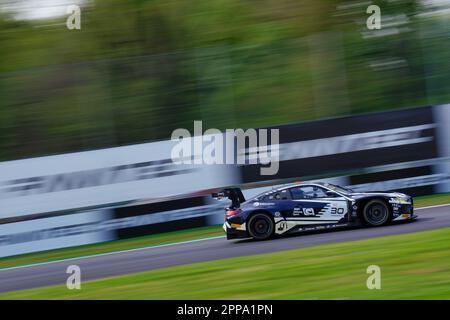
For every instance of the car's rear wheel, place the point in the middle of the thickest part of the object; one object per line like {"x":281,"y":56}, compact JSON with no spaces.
{"x":376,"y":213}
{"x":261,"y":226}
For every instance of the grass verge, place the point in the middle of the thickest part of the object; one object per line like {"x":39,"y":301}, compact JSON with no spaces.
{"x":413,"y":266}
{"x":432,"y":200}
{"x":157,"y":239}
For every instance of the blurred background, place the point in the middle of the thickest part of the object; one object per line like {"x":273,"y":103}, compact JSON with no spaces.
{"x":362,"y":108}
{"x":138,"y":69}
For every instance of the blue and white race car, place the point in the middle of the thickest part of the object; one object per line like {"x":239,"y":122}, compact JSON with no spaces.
{"x":309,"y":206}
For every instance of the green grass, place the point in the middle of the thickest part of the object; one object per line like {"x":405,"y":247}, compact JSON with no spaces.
{"x":413,"y":266}
{"x":165,"y":238}
{"x":431,"y":200}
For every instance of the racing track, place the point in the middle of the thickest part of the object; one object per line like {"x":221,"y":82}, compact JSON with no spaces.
{"x":138,"y":260}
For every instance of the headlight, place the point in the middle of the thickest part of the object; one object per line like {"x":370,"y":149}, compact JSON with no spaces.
{"x":403,"y":201}
{"x":398,"y":200}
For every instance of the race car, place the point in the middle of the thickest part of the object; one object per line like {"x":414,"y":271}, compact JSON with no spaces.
{"x":309,"y":206}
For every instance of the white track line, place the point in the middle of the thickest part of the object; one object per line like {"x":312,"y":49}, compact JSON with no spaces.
{"x":436,"y":206}
{"x":151,"y":247}
{"x":109,"y":253}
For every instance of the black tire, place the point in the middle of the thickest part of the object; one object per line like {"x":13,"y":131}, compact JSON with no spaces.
{"x":376,"y":213}
{"x":260,"y":226}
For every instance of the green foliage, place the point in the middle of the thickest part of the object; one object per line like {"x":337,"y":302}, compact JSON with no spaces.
{"x":139,"y":69}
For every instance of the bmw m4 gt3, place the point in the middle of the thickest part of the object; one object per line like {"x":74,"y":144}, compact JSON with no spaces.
{"x":310,"y":206}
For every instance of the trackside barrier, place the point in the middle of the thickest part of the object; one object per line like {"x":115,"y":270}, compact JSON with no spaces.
{"x":45,"y":200}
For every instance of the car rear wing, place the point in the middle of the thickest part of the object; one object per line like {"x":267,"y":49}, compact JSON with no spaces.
{"x":234,"y":194}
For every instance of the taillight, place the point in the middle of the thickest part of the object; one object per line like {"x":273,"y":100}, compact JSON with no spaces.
{"x":232,"y":212}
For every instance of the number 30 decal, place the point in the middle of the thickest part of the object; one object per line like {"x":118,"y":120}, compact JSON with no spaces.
{"x":337,"y":210}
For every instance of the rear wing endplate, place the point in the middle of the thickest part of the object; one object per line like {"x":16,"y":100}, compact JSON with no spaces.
{"x":234,"y":194}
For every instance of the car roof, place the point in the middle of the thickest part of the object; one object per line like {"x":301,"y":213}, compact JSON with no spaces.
{"x":287,"y":186}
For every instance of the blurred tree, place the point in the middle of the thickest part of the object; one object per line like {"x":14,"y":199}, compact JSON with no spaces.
{"x":138,"y":69}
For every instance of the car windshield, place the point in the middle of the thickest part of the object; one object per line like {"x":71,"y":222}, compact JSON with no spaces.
{"x":337,"y":188}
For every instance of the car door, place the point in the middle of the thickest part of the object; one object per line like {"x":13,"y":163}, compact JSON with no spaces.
{"x":312,"y":204}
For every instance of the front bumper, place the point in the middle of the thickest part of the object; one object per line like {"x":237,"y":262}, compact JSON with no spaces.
{"x":405,"y":217}
{"x":403,"y":212}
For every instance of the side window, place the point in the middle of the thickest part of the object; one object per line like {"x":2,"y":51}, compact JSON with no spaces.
{"x":319,"y":192}
{"x":279,"y":195}
{"x":275,"y":196}
{"x":308,"y":192}
{"x":285,"y":194}
{"x":297,"y":193}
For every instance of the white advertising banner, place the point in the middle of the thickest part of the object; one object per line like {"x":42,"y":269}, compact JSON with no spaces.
{"x":442,"y":117}
{"x":53,"y":233}
{"x":102,"y":177}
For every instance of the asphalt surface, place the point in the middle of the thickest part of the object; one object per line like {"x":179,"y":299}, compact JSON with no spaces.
{"x":122,"y":263}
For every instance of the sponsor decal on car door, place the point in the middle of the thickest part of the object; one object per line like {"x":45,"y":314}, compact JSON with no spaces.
{"x":317,"y":211}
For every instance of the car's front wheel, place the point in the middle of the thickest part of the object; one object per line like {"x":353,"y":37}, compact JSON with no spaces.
{"x":260,"y":226}
{"x":376,"y":213}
